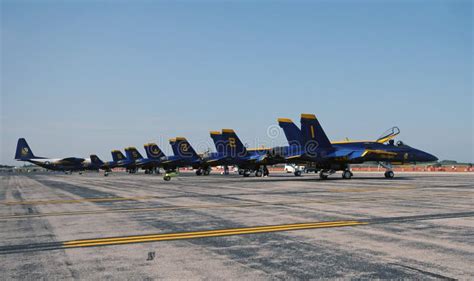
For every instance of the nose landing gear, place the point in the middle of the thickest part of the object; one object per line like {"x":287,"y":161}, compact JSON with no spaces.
{"x":389,"y":174}
{"x":324,"y":174}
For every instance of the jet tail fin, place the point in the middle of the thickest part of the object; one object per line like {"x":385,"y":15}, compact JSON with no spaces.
{"x":233,"y":145}
{"x":132,"y":153}
{"x":95,"y":160}
{"x":313,"y":132}
{"x":292,"y":132}
{"x":23,"y":150}
{"x":153,"y":151}
{"x":117,"y":155}
{"x":218,"y":141}
{"x":181,"y":147}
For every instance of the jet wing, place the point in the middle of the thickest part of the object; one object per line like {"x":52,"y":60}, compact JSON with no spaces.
{"x":215,"y":159}
{"x":294,"y":156}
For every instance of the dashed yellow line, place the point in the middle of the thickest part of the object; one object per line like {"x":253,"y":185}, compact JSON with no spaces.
{"x":205,"y":233}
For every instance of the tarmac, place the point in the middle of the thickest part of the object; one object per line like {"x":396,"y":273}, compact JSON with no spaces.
{"x":122,"y":227}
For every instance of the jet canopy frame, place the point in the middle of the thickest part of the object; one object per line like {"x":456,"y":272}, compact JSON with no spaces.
{"x":389,"y":134}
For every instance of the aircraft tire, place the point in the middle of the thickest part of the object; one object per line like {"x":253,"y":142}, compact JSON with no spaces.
{"x":167,"y":178}
{"x":389,"y":174}
{"x":198,"y":172}
{"x":323,"y":176}
{"x":258,"y":173}
{"x":297,"y":173}
{"x":347,"y":175}
{"x":207,"y":172}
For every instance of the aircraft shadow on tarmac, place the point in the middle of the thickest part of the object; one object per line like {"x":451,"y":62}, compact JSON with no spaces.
{"x":291,"y":178}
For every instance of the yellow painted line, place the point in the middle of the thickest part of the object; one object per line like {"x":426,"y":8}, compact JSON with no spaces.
{"x":200,"y":232}
{"x":206,"y":233}
{"x":67,"y":201}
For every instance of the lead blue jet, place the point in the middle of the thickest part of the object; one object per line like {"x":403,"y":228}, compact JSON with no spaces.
{"x":310,"y":144}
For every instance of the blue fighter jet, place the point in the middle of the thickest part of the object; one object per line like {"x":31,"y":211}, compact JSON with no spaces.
{"x":154,"y":158}
{"x":310,"y":144}
{"x":248,"y":160}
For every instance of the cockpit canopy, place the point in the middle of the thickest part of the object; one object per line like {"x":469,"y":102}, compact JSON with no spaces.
{"x":389,"y":135}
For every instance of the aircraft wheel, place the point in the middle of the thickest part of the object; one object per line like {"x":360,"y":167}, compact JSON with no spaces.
{"x":198,"y":172}
{"x":80,"y":173}
{"x":297,"y":173}
{"x":389,"y":174}
{"x":246,"y":173}
{"x":323,"y":176}
{"x":347,"y":175}
{"x":106,"y":174}
{"x":207,"y":172}
{"x":241,"y":172}
{"x":258,"y":173}
{"x":167,"y":178}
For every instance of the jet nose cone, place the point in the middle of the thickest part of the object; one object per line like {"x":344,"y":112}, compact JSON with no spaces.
{"x":434,"y":158}
{"x":431,"y":158}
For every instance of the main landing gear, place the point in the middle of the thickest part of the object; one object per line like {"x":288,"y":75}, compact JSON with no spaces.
{"x":347,"y":174}
{"x":205,"y":172}
{"x":261,"y":172}
{"x":325,"y":173}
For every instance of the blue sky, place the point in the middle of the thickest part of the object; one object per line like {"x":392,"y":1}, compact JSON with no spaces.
{"x":81,"y":77}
